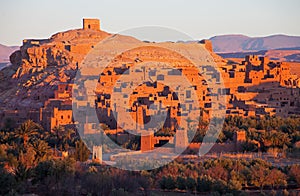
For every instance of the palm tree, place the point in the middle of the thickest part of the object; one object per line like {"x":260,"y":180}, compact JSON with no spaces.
{"x":26,"y":131}
{"x":67,"y":138}
{"x":277,"y":139}
{"x":57,"y":131}
{"x":42,"y":150}
{"x":62,"y":137}
{"x":44,"y":135}
{"x":69,"y":134}
{"x":3,"y":137}
{"x":56,"y":136}
{"x":21,"y":172}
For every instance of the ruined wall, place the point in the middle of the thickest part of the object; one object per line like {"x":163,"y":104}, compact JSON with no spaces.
{"x":207,"y":44}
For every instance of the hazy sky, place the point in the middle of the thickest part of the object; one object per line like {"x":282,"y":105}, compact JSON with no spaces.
{"x":22,"y":19}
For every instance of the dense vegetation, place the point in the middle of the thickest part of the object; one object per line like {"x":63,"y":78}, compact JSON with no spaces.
{"x":31,"y":162}
{"x":66,"y":177}
{"x":269,"y":133}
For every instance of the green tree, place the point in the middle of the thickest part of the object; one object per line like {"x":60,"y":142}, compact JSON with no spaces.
{"x":42,"y":171}
{"x":62,"y":138}
{"x":259,"y":174}
{"x":204,"y":184}
{"x":119,"y":192}
{"x":181,"y":183}
{"x":276,"y":178}
{"x":235,"y":182}
{"x":234,"y":185}
{"x":42,"y":151}
{"x":82,"y":153}
{"x":56,"y":137}
{"x":219,"y":186}
{"x":218,"y":172}
{"x":7,"y":182}
{"x":26,"y":131}
{"x":294,"y":173}
{"x":191,"y":184}
{"x":22,"y":173}
{"x":67,"y":138}
{"x":167,"y":183}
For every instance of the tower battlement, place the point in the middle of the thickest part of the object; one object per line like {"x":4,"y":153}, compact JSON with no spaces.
{"x":91,"y":23}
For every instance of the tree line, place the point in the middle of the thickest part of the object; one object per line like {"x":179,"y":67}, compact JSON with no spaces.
{"x":29,"y":163}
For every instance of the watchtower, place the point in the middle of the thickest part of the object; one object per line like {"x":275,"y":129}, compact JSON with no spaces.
{"x":239,"y":139}
{"x":90,"y":23}
{"x":181,"y":140}
{"x":239,"y":136}
{"x":97,"y":154}
{"x":147,"y":142}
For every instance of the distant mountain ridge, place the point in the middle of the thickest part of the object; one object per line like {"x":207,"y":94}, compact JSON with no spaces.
{"x":284,"y":54}
{"x":242,"y":43}
{"x":6,"y":51}
{"x":226,"y":44}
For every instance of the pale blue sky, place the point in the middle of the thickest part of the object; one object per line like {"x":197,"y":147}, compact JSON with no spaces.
{"x":22,"y":19}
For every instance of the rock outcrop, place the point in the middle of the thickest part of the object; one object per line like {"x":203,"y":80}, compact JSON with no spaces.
{"x":40,"y":65}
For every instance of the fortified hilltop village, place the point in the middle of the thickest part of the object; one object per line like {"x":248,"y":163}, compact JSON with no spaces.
{"x":39,"y":86}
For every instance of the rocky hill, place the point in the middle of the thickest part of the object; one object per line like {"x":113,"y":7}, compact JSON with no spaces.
{"x":40,"y":65}
{"x":30,"y":85}
{"x":241,"y":43}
